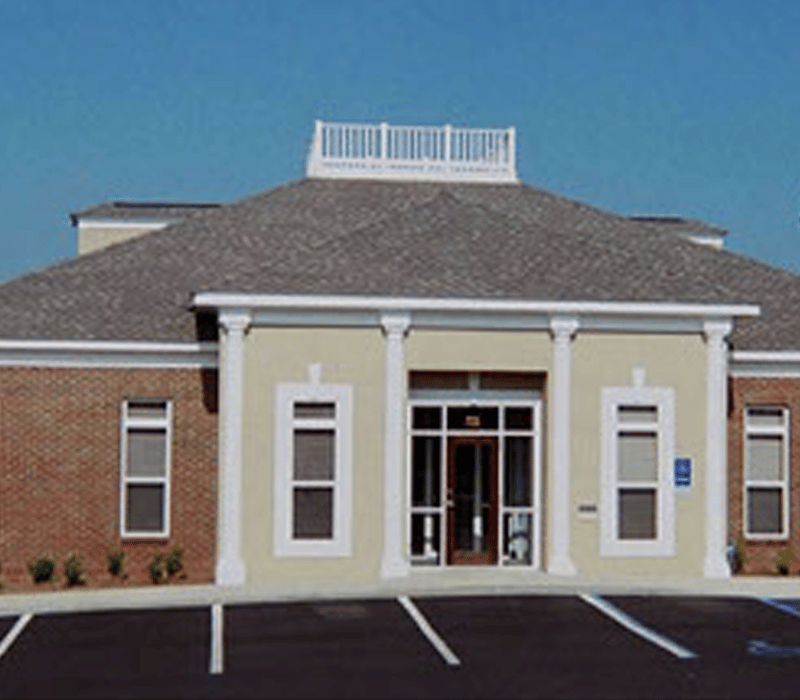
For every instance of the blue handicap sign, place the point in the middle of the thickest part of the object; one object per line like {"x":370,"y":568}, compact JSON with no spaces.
{"x":683,"y":471}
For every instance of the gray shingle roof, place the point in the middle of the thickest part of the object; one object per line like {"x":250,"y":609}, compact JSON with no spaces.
{"x":678,"y":223}
{"x":159,"y":211}
{"x":504,"y":241}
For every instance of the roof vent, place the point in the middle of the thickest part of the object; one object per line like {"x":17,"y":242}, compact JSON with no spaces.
{"x":438,"y":153}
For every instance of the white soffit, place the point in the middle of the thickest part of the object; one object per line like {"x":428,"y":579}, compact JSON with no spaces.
{"x":96,"y":353}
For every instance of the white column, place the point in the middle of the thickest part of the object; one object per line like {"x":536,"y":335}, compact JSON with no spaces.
{"x":559,"y":561}
{"x":715,"y":564}
{"x":395,"y":562}
{"x":230,"y":565}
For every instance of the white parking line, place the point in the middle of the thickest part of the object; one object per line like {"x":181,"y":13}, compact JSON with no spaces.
{"x":438,"y":643}
{"x":14,"y":632}
{"x":217,"y":649}
{"x":780,"y":606}
{"x":637,"y":627}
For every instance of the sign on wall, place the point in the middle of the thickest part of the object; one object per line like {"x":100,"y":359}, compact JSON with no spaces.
{"x":683,"y":472}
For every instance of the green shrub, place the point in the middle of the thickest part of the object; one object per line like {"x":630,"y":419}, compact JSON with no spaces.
{"x":157,"y":568}
{"x":174,"y":561}
{"x":114,"y":560}
{"x":783,"y":560}
{"x":73,"y":570}
{"x":42,"y":568}
{"x":163,"y":567}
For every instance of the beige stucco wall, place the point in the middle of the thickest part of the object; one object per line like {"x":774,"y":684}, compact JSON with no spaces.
{"x":92,"y":239}
{"x":356,"y":357}
{"x":606,"y":360}
{"x":347,"y":356}
{"x":479,"y":350}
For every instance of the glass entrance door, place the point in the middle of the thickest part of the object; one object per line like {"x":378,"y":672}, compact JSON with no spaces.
{"x":472,"y":503}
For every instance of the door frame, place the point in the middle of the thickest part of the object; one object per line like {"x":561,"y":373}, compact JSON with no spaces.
{"x":500,"y":400}
{"x":457,"y":557}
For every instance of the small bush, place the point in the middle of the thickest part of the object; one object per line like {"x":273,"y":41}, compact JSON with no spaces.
{"x":114,"y":560}
{"x":42,"y":568}
{"x":174,"y":561}
{"x":736,"y":555}
{"x":783,"y":560}
{"x":157,"y":568}
{"x":73,"y":570}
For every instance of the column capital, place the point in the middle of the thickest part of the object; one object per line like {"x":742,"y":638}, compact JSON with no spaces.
{"x":717,"y":329}
{"x":235,"y":319}
{"x":564,"y":326}
{"x":395,"y":324}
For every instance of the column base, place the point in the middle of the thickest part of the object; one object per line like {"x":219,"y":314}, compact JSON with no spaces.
{"x":716,"y":568}
{"x":561,"y":566}
{"x":230,"y":572}
{"x":394,"y":568}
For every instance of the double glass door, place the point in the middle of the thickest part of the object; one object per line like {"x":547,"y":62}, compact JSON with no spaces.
{"x":475,"y":484}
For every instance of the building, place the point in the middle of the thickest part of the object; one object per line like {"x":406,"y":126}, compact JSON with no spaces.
{"x":406,"y":363}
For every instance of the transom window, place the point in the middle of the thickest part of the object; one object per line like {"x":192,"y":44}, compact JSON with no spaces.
{"x":145,"y":466}
{"x":766,"y":459}
{"x":313,"y":470}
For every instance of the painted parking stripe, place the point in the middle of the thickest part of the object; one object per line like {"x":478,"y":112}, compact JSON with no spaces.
{"x":637,"y":627}
{"x":425,"y":627}
{"x":14,"y":632}
{"x":217,"y":648}
{"x":781,"y":606}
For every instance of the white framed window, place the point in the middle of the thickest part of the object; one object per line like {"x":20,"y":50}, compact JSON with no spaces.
{"x":145,"y":460}
{"x":637,"y":496}
{"x":766,"y":472}
{"x":313,"y":470}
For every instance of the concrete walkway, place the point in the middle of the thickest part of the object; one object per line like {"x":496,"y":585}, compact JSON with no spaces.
{"x":426,"y":584}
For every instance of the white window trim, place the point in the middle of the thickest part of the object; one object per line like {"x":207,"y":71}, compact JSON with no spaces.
{"x":783,"y":484}
{"x":611,"y":399}
{"x":286,"y":395}
{"x":127,"y":423}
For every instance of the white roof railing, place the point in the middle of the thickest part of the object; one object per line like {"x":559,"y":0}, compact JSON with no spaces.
{"x":440,"y":153}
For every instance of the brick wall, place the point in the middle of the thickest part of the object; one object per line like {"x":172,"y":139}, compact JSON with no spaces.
{"x":760,"y":556}
{"x":60,"y":469}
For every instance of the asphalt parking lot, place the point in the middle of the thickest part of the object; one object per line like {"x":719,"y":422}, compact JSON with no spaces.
{"x":471,"y":647}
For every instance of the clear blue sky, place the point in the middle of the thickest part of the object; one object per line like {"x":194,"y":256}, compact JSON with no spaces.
{"x":642,"y":107}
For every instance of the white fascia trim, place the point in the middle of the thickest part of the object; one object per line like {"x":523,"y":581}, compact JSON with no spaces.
{"x":284,"y":301}
{"x":710,"y":241}
{"x":99,"y":353}
{"x":126,"y":223}
{"x":764,"y":363}
{"x":765,"y":356}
